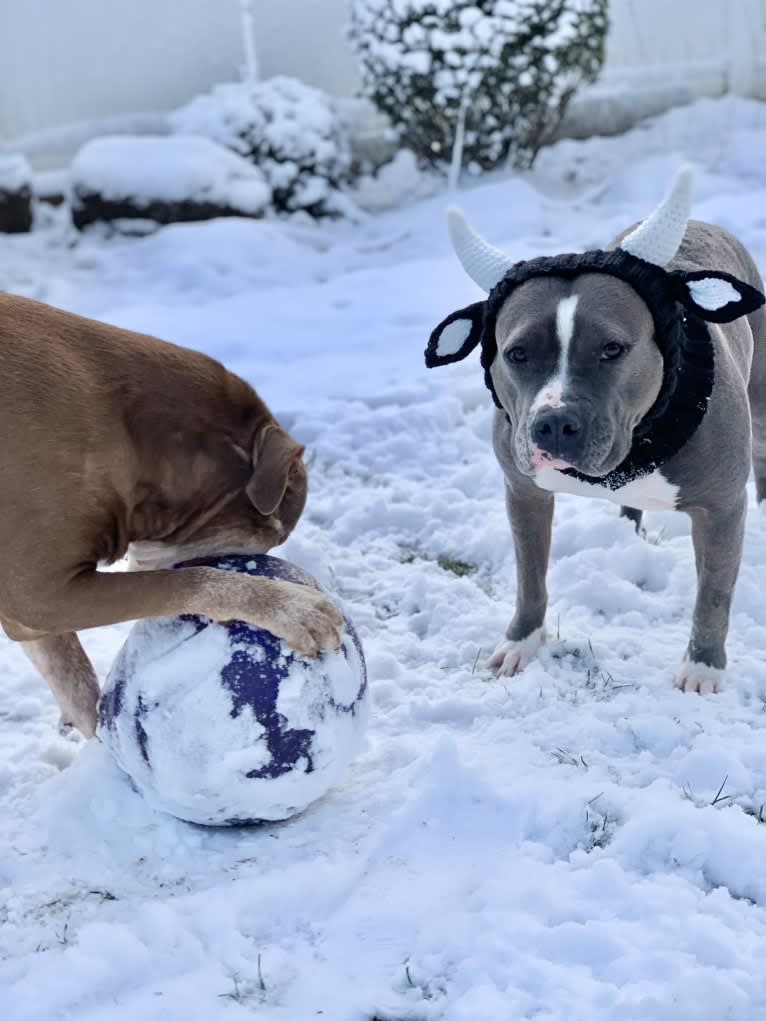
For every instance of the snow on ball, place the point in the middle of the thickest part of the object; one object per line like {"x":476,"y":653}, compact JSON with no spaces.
{"x":222,"y":723}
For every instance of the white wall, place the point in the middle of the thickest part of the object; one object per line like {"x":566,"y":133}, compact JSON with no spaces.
{"x":730,"y":34}
{"x":68,"y":60}
{"x":75,"y":60}
{"x":71,"y":60}
{"x":305,"y":38}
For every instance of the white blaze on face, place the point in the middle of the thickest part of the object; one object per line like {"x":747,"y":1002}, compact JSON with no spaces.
{"x":565,"y":314}
{"x":551,"y":394}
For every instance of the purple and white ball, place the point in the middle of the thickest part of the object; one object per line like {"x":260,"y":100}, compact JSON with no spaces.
{"x":223,"y":724}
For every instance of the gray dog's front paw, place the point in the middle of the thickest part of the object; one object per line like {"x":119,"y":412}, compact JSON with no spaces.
{"x":700,"y":678}
{"x":510,"y":658}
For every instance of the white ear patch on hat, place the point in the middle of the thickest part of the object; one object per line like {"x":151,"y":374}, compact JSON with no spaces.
{"x":712,"y":293}
{"x":715,"y":296}
{"x":456,"y":336}
{"x":453,"y":336}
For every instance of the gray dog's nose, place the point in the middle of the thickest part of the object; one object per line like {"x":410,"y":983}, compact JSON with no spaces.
{"x":557,"y":431}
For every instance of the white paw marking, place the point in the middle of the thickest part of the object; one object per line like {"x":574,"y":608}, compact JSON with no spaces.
{"x":700,"y":678}
{"x":510,"y":658}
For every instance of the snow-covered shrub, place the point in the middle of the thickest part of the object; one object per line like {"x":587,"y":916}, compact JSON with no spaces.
{"x":15,"y":195}
{"x":392,"y":183}
{"x":293,"y":133}
{"x":512,"y":65}
{"x":164,"y":179}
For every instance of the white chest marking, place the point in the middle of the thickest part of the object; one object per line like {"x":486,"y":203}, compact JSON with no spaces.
{"x":650,"y":492}
{"x":551,"y":393}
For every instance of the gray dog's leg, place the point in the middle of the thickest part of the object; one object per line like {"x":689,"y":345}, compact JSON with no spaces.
{"x":71,"y":677}
{"x":757,"y":395}
{"x":717,"y":536}
{"x":531,"y":515}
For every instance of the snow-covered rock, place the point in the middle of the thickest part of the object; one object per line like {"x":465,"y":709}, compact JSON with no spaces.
{"x":167,"y":180}
{"x":293,"y":132}
{"x":15,"y":195}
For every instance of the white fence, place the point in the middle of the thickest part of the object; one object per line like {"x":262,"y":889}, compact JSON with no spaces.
{"x":728,"y":35}
{"x":65,"y":61}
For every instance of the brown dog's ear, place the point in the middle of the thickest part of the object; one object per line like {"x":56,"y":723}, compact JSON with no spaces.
{"x":275,"y":454}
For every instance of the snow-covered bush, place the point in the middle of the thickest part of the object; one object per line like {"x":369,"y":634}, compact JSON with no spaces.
{"x":166,"y":180}
{"x":293,"y":133}
{"x":393,"y":183}
{"x":15,"y":195}
{"x":511,"y":65}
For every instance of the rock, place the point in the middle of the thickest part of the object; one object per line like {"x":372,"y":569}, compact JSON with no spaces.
{"x":163,"y":179}
{"x":15,"y":195}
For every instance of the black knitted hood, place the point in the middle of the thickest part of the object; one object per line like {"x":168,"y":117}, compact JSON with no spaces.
{"x":680,"y":303}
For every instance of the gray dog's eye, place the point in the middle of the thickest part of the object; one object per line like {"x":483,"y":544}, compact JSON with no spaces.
{"x":611,"y":351}
{"x":517,"y":355}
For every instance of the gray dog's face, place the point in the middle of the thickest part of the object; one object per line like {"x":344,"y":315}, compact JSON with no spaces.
{"x":576,"y":369}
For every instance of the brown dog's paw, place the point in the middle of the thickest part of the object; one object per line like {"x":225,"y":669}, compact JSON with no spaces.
{"x":304,"y":618}
{"x":80,"y":719}
{"x":68,"y":731}
{"x":510,"y":658}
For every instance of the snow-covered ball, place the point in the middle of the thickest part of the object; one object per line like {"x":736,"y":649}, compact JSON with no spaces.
{"x":222,"y":723}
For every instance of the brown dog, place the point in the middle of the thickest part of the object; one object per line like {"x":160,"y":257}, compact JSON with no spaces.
{"x":111,"y":440}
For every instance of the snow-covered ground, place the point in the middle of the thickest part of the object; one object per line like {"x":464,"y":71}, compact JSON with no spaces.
{"x":581,"y":843}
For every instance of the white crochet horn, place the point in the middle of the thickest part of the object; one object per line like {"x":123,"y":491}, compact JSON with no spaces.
{"x":484,"y":264}
{"x":659,"y":237}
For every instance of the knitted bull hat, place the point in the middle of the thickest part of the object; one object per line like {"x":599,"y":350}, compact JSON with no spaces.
{"x":680,"y":303}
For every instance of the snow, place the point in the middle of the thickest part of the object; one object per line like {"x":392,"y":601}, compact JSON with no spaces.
{"x":183,"y":168}
{"x":392,"y":183}
{"x":15,"y":173}
{"x":582,"y":842}
{"x":51,"y":147}
{"x":47,"y":183}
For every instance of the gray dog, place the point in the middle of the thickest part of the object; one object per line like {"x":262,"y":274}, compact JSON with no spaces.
{"x":635,"y":374}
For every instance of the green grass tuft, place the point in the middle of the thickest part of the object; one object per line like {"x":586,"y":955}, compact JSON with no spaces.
{"x":459,"y":567}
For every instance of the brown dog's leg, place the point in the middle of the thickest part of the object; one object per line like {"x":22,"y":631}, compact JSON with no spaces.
{"x":69,"y":673}
{"x":304,"y":617}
